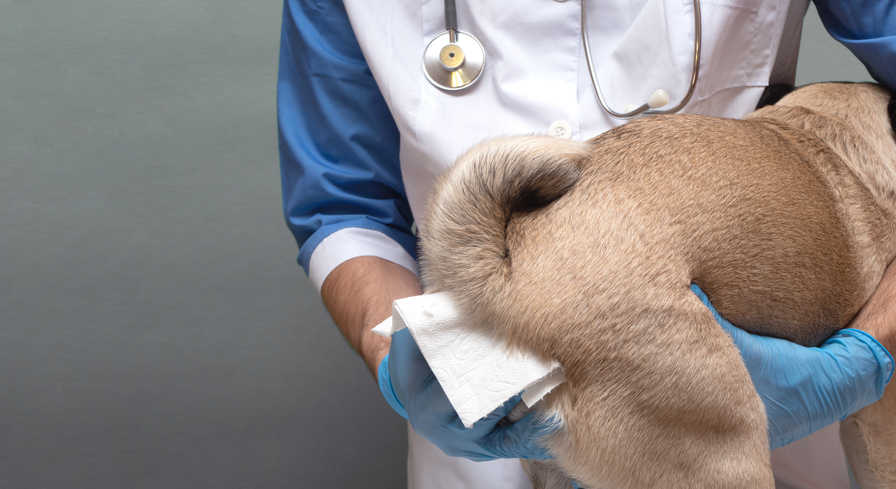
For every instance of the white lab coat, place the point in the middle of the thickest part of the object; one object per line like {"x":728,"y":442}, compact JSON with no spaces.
{"x":536,"y":81}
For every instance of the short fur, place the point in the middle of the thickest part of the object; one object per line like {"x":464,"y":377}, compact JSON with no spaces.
{"x":584,"y":252}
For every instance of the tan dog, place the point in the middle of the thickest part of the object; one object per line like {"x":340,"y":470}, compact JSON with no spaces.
{"x":584,"y":253}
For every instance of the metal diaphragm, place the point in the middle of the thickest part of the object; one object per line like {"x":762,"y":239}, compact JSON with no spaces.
{"x":453,"y":66}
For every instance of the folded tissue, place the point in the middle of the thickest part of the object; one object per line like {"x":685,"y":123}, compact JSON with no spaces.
{"x":477,"y":372}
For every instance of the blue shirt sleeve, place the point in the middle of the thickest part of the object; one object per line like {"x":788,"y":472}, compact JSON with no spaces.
{"x":868,"y":29}
{"x":338,"y":143}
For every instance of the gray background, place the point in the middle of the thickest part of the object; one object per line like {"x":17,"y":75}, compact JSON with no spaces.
{"x":155,"y":331}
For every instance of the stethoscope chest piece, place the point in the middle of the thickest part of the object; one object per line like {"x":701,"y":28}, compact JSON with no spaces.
{"x":453,"y":65}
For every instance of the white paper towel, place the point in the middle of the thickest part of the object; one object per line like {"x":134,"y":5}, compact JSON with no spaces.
{"x":476,"y":371}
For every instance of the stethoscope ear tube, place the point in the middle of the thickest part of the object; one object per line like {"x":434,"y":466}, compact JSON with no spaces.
{"x":659,"y":98}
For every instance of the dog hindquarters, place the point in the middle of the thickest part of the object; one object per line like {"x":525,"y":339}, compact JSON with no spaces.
{"x":672,"y":406}
{"x":656,"y":393}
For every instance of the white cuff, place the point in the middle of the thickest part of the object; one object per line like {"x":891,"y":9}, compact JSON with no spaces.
{"x":349,"y":243}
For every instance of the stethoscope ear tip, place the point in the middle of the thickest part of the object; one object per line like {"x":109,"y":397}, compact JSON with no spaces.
{"x":658,"y":99}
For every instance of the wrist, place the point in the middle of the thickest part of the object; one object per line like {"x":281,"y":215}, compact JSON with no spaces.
{"x":384,"y":381}
{"x":882,"y":357}
{"x":359,"y":294}
{"x":373,"y":349}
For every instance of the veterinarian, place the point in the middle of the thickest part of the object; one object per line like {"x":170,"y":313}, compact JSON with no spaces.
{"x":363,"y":134}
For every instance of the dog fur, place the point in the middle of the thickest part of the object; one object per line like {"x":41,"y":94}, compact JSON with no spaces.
{"x":584,"y":253}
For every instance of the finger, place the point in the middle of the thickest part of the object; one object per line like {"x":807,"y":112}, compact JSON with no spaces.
{"x":486,"y":424}
{"x":404,"y":348}
{"x":406,"y":363}
{"x":384,"y":381}
{"x":522,"y":439}
{"x":706,"y":302}
{"x":537,"y":427}
{"x":736,"y":334}
{"x":495,"y":417}
{"x":700,"y":294}
{"x":506,"y":407}
{"x":439,"y":407}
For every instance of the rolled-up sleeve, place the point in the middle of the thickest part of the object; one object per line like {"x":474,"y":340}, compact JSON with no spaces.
{"x":868,"y":29}
{"x":343,"y":194}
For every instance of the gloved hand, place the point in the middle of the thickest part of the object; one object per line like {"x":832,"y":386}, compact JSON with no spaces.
{"x":805,"y":389}
{"x":412,"y":390}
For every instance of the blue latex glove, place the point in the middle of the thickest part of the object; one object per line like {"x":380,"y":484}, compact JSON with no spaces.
{"x":805,"y":389}
{"x":412,"y":390}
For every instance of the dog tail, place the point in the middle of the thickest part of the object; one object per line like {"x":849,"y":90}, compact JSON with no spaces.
{"x":462,"y":242}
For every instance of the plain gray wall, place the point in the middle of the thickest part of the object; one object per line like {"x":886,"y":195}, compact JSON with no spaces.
{"x":156,"y":331}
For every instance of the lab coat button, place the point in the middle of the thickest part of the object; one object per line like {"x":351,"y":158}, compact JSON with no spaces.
{"x":560,"y":129}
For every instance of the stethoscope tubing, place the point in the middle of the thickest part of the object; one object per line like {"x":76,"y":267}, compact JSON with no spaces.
{"x":644,"y":108}
{"x":451,"y":19}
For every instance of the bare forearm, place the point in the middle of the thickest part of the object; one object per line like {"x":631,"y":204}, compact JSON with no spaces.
{"x":359,"y":295}
{"x":878,"y":316}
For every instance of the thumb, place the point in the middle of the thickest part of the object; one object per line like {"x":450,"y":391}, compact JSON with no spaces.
{"x":738,"y":335}
{"x":523,"y":438}
{"x":384,"y":381}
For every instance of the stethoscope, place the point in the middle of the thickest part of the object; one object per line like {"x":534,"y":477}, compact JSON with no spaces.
{"x":454,"y":61}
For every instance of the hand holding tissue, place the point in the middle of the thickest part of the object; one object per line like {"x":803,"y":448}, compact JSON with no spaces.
{"x":456,"y":384}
